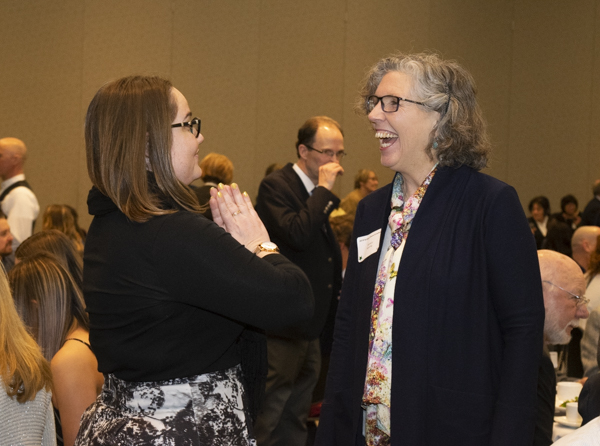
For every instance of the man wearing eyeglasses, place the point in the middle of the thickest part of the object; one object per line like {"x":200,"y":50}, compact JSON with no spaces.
{"x":294,"y":204}
{"x":563,"y":286}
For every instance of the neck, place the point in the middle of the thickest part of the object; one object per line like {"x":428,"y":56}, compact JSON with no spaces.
{"x":413,"y":179}
{"x":302,"y":166}
{"x":78,"y":332}
{"x":12,"y":174}
{"x":581,"y":257}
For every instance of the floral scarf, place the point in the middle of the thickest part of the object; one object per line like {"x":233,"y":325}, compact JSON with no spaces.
{"x":378,"y":383}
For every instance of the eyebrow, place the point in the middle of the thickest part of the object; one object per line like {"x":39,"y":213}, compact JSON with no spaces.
{"x":189,"y":115}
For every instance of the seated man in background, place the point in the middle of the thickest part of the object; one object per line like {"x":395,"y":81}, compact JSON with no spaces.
{"x":365,"y":182}
{"x":6,"y":239}
{"x":563,"y":286}
{"x":583,"y":244}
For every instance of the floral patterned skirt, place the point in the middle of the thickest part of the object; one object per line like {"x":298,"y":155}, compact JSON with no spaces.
{"x":201,"y":410}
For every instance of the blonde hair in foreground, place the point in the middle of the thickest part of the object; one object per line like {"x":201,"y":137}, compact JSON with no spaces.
{"x":48,"y":300}
{"x":23,"y":369}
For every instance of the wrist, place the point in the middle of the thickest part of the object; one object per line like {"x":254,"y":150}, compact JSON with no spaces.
{"x":267,"y":247}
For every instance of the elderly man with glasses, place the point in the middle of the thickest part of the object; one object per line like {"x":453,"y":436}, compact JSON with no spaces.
{"x":563,"y":287}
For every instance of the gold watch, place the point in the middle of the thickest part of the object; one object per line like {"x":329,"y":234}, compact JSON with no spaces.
{"x":266,"y":247}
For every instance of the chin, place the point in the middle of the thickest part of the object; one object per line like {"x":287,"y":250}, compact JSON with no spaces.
{"x":561,"y":338}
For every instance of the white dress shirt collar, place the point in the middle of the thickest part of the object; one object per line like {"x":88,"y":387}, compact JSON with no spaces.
{"x":308,"y":184}
{"x":11,"y":181}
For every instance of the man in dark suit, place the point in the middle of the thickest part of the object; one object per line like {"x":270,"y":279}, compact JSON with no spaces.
{"x":563,"y":284}
{"x":591,"y":213}
{"x":294,"y":204}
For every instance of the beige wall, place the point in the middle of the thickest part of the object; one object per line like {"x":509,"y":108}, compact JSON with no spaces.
{"x":254,"y":70}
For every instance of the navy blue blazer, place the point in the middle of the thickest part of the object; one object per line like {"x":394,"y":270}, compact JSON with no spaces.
{"x":468,"y":320}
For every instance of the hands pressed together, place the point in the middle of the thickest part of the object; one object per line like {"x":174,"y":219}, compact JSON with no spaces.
{"x":233,"y":211}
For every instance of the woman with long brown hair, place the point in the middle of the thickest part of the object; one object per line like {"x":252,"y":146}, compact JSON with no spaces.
{"x":25,"y":381}
{"x":56,"y":243}
{"x":61,"y":217}
{"x":172,"y":295}
{"x":51,"y":305}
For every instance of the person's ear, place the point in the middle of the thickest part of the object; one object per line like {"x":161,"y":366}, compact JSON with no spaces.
{"x":303,"y":151}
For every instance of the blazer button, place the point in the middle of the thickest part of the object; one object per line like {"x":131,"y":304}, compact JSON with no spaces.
{"x":330,"y":260}
{"x":330,"y":286}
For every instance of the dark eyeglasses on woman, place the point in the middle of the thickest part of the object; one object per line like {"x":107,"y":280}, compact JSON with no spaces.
{"x":193,"y":125}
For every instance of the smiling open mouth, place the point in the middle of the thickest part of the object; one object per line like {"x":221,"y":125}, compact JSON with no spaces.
{"x":386,"y":139}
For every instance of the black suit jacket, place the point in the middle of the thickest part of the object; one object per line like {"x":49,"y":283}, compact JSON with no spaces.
{"x":299,"y":225}
{"x":468,"y":320}
{"x":591,"y":213}
{"x":589,"y":399}
{"x":546,"y":401}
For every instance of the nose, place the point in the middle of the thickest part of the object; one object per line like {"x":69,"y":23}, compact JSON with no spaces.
{"x":200,"y":138}
{"x":582,"y":312}
{"x":375,"y":114}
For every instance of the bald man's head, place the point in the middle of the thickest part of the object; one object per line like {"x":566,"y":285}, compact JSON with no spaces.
{"x":583,"y":243}
{"x":562,"y":281}
{"x":13,"y":153}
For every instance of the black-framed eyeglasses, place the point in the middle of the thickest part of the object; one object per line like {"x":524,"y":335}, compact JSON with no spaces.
{"x":330,"y":153}
{"x":581,"y":300}
{"x":193,"y":125}
{"x":389,"y":104}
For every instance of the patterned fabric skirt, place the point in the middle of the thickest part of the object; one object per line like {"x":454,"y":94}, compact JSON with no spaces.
{"x":202,"y":410}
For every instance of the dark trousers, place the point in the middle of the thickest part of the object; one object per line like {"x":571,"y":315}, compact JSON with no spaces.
{"x":293,"y":372}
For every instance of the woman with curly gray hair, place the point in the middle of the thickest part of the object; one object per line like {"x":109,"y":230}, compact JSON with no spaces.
{"x":443,"y":267}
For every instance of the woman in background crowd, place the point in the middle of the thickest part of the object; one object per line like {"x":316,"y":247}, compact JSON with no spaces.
{"x":216,"y":168}
{"x":82,"y":232}
{"x":170,"y":293}
{"x":60,"y":217}
{"x":57,"y":244}
{"x":539,"y":207}
{"x":442,"y":267}
{"x":50,"y":303}
{"x":569,"y":213}
{"x":25,"y":381}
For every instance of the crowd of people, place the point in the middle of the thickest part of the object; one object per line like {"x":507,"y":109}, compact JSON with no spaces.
{"x":186,"y":316}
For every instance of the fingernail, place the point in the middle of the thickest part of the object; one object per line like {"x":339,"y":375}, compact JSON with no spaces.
{"x":221,"y":186}
{"x":245,"y":194}
{"x":234,"y":186}
{"x":219,"y":194}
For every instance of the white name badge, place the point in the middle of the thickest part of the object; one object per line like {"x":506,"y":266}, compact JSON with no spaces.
{"x":368,"y":244}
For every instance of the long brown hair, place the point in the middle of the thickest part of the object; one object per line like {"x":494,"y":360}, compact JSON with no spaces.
{"x":57,"y":244}
{"x":61,"y":218}
{"x":48,"y":300}
{"x":23,"y":369}
{"x":127,"y":134}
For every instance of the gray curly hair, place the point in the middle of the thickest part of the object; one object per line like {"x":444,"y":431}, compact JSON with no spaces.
{"x":447,"y":88}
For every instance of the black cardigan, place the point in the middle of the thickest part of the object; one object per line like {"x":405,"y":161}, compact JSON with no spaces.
{"x":468,"y":320}
{"x":169,"y":297}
